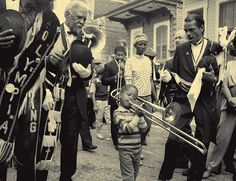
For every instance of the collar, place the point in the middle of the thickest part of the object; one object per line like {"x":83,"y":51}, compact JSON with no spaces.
{"x":198,"y":43}
{"x":67,"y":29}
{"x":139,"y":56}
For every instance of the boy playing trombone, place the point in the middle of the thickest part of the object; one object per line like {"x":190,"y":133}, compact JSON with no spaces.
{"x":130,"y":126}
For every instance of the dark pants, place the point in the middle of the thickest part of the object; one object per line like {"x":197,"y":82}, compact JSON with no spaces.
{"x":28,"y":145}
{"x":27,"y":137}
{"x":73,"y":124}
{"x":204,"y":116}
{"x":3,"y":171}
{"x":91,"y":113}
{"x":114,"y":129}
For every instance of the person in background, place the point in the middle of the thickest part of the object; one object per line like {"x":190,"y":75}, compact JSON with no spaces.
{"x":130,"y":125}
{"x":168,"y":91}
{"x":138,"y":72}
{"x":99,"y":93}
{"x":110,"y":76}
{"x":227,"y":124}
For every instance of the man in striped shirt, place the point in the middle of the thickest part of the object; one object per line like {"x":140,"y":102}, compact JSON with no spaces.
{"x":130,"y":126}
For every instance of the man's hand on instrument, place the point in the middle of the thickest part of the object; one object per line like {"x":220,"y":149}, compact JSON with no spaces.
{"x":48,"y":100}
{"x":6,"y":38}
{"x":165,"y":76}
{"x":81,"y":70}
{"x":56,"y":58}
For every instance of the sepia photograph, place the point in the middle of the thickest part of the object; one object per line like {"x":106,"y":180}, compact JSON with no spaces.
{"x":117,"y":90}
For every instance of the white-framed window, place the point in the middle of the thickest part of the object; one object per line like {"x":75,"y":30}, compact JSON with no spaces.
{"x":226,"y":11}
{"x":134,"y":32}
{"x":197,"y":8}
{"x":161,"y":39}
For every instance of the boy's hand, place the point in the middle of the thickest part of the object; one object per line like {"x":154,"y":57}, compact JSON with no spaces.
{"x":139,"y":113}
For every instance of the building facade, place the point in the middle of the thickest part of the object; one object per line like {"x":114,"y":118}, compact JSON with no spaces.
{"x":158,"y":19}
{"x":216,"y":13}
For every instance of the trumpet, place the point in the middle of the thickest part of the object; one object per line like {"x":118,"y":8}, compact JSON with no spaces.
{"x":170,"y":114}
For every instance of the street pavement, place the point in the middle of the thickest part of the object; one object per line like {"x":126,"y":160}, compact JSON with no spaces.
{"x":103,"y":164}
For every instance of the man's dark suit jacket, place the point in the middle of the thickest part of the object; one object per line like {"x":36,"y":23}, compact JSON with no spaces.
{"x":109,"y":78}
{"x":78,"y":87}
{"x":83,"y":54}
{"x":183,"y":66}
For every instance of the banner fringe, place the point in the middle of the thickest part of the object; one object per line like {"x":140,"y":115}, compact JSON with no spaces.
{"x":49,"y":141}
{"x":44,"y":165}
{"x":6,"y":150}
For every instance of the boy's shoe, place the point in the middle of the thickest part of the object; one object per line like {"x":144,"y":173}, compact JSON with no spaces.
{"x":140,"y":163}
{"x":141,"y":157}
{"x":100,"y":136}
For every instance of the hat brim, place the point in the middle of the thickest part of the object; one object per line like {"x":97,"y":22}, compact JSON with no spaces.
{"x":11,"y":19}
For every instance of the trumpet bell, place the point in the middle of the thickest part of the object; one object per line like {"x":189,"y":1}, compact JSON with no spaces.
{"x":95,"y":37}
{"x":172,"y":113}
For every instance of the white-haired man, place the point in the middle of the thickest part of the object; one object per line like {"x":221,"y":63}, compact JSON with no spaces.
{"x":74,"y":112}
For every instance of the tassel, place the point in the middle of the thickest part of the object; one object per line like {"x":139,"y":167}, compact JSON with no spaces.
{"x":49,"y":141}
{"x":6,"y":150}
{"x":54,"y":115}
{"x":44,"y":165}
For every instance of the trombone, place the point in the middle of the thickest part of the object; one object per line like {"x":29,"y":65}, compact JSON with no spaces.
{"x":170,"y":114}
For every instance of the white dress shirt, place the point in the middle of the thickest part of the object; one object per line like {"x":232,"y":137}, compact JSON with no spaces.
{"x":198,"y":51}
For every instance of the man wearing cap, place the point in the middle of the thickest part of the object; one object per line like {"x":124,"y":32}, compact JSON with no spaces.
{"x":138,"y":72}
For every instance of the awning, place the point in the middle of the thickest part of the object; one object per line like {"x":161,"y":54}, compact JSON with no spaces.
{"x":142,"y":8}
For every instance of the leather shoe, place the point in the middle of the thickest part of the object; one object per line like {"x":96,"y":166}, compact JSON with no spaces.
{"x":90,"y":148}
{"x":234,"y":177}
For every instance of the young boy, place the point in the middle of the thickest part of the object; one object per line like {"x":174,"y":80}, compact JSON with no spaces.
{"x":130,"y":126}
